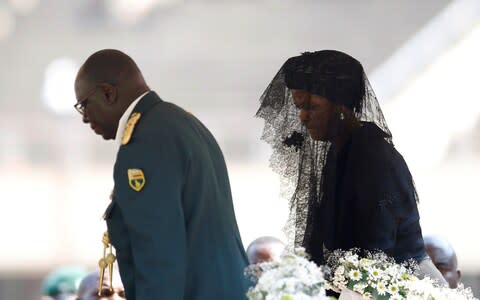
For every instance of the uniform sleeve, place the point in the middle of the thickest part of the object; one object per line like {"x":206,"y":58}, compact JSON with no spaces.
{"x":119,"y":237}
{"x":154,"y":220}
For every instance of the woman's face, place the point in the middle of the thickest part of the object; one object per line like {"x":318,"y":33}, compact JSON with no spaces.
{"x":315,"y":112}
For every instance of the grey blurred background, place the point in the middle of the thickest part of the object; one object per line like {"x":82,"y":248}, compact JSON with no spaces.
{"x":215,"y":58}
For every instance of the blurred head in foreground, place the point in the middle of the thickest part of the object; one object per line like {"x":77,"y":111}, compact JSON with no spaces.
{"x":88,"y":289}
{"x":62,"y":283}
{"x":263,"y":249}
{"x":444,"y":258}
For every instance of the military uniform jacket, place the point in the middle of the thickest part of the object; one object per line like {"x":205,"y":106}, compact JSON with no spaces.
{"x":176,"y":237}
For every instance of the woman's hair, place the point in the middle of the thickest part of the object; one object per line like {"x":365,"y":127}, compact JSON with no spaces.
{"x":331,"y":74}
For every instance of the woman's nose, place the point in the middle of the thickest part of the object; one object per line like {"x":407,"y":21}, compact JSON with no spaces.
{"x":303,"y":115}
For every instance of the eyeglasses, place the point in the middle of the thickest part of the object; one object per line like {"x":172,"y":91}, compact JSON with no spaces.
{"x":82,"y":104}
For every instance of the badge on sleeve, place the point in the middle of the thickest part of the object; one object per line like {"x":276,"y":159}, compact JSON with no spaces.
{"x":127,"y":132}
{"x":136,"y":179}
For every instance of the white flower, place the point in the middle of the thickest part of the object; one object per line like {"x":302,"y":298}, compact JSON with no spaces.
{"x":355,"y":274}
{"x":390,"y":280}
{"x":367,"y":295}
{"x":353,"y":259}
{"x":393,"y":289}
{"x":291,"y":277}
{"x":396,"y":297}
{"x":300,"y":251}
{"x":365,"y":262}
{"x":381,"y":288}
{"x":359,"y":287}
{"x":426,"y":289}
{"x":375,"y":273}
{"x":340,"y":270}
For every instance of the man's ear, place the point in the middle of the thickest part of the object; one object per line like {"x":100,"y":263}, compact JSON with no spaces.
{"x":110,"y":92}
{"x":459,"y":275}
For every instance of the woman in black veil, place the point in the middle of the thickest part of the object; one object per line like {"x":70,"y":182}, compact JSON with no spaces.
{"x":348,"y":186}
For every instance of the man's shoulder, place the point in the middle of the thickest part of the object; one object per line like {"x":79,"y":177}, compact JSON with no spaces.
{"x":165,"y":114}
{"x":165,"y":127}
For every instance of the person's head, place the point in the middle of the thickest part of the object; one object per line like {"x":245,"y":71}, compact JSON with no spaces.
{"x":264,"y":249}
{"x":328,"y":87}
{"x":444,"y":258}
{"x":88,"y":289}
{"x":62,"y":283}
{"x":105,"y":85}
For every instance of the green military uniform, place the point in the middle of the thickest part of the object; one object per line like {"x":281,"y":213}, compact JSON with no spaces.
{"x":171,"y":219}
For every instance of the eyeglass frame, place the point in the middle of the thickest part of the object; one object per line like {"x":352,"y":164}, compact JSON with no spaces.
{"x":81,"y":104}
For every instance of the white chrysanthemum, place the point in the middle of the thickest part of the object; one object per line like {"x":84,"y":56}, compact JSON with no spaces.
{"x":367,"y":295}
{"x":375,"y":273}
{"x":359,"y":287}
{"x":391,"y":270}
{"x":381,"y":288}
{"x":425,"y":289}
{"x":396,"y":297}
{"x":365,"y":262}
{"x":391,"y":280}
{"x":393,"y":289}
{"x":355,"y":275}
{"x":353,"y":259}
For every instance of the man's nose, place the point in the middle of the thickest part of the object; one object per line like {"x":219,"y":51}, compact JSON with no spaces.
{"x":85,"y":118}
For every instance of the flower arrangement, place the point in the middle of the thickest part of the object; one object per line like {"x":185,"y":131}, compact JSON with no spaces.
{"x":292,"y":277}
{"x":374,"y":276}
{"x":370,"y":276}
{"x":425,"y":289}
{"x":377,"y":276}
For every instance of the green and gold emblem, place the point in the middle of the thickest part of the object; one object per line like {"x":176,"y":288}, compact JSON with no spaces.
{"x":136,"y":179}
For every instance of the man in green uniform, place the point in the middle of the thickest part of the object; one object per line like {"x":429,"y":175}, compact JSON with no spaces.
{"x":171,"y":219}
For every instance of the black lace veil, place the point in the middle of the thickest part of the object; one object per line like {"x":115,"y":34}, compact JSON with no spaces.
{"x":297,"y":158}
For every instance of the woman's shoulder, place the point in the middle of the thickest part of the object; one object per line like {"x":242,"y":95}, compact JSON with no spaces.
{"x":380,"y":172}
{"x":370,"y":145}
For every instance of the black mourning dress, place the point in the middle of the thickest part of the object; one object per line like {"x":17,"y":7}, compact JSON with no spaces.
{"x":357,"y":194}
{"x":370,"y":201}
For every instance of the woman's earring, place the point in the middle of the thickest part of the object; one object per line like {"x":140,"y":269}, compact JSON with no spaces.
{"x":342,"y":116}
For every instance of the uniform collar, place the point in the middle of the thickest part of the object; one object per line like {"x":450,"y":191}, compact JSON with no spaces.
{"x":141,"y":105}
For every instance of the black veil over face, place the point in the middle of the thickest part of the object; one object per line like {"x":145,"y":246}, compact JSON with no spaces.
{"x":298,"y":158}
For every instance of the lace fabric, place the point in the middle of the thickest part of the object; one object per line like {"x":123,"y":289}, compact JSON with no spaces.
{"x":297,"y":158}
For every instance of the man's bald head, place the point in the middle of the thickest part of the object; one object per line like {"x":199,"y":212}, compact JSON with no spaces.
{"x":106,"y":84}
{"x":444,"y":258}
{"x":263,"y":249}
{"x":111,"y":66}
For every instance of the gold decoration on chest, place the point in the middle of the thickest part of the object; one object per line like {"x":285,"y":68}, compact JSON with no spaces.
{"x":129,"y":127}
